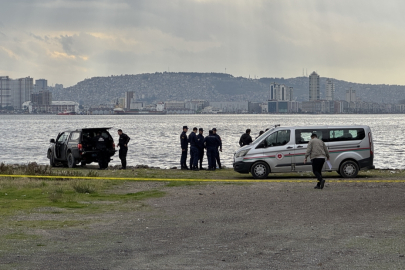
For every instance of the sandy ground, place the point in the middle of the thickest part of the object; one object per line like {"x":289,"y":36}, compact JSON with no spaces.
{"x":229,"y":226}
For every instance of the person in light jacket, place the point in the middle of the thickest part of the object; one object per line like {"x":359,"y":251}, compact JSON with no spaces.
{"x":317,"y":152}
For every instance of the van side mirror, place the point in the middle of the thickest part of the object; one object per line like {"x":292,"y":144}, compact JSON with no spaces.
{"x":52,"y":141}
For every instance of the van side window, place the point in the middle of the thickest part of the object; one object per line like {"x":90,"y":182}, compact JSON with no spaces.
{"x":279,"y":138}
{"x":336,"y":135}
{"x":304,"y":136}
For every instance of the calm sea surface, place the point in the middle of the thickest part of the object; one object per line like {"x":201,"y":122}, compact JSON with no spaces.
{"x":155,"y":139}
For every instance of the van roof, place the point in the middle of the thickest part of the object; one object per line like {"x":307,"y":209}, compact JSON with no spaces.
{"x":326,"y":127}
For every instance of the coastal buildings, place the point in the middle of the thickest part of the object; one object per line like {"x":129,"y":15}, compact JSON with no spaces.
{"x":21,"y":91}
{"x":351,"y":95}
{"x":314,"y":92}
{"x":281,"y":92}
{"x":5,"y":92}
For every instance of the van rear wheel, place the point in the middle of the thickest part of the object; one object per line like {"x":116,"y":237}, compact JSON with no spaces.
{"x":349,"y":169}
{"x":260,"y":170}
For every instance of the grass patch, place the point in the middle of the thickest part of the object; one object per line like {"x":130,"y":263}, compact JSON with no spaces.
{"x":182,"y":183}
{"x":20,"y":236}
{"x":83,"y":187}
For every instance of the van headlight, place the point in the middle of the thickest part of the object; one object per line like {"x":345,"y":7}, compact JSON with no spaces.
{"x":242,"y":153}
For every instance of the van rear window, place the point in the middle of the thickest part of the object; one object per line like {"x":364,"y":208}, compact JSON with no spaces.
{"x":346,"y":134}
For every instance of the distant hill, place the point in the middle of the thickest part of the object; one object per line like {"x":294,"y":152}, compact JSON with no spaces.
{"x":155,"y":87}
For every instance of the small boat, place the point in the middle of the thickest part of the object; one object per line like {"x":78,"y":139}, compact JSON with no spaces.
{"x":66,"y":113}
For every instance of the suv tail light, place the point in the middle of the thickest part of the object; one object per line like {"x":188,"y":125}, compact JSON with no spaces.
{"x":80,"y":147}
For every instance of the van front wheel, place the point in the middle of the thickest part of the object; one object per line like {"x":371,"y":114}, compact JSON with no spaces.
{"x":349,"y":169}
{"x":260,"y":170}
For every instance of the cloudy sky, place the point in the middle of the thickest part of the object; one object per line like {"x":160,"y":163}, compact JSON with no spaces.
{"x":66,"y":41}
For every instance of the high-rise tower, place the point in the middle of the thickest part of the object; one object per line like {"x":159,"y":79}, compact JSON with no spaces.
{"x":330,"y":90}
{"x":314,"y":87}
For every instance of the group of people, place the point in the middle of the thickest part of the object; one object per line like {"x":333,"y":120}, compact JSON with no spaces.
{"x":212,"y":143}
{"x":103,"y":157}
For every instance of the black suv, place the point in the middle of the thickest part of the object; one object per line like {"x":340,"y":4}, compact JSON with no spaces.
{"x":78,"y":146}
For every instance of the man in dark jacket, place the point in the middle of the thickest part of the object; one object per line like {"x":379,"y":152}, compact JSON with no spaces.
{"x":123,"y":145}
{"x":184,"y":148}
{"x":217,"y":158}
{"x":245,"y":139}
{"x":211,"y":144}
{"x":200,"y":146}
{"x":192,"y":138}
{"x":102,"y":155}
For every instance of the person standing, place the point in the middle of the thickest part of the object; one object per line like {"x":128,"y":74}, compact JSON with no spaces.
{"x":102,"y":151}
{"x":211,"y":144}
{"x":217,"y":158}
{"x":192,"y":138}
{"x":245,"y":139}
{"x":200,"y":138}
{"x":317,"y":152}
{"x":184,"y":148}
{"x":123,"y":145}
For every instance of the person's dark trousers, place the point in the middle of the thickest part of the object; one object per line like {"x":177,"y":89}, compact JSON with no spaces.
{"x":123,"y":156}
{"x":183,"y":159}
{"x":193,"y":157}
{"x":317,"y":165}
{"x":200,"y":156}
{"x":102,"y":158}
{"x":211,"y":157}
{"x":217,"y":159}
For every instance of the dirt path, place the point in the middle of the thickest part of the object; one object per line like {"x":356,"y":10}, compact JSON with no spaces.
{"x":229,"y":226}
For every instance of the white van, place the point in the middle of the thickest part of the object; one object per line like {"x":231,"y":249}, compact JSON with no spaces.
{"x":282,"y":149}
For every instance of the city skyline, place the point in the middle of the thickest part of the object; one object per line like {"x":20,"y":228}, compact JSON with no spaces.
{"x":69,"y":41}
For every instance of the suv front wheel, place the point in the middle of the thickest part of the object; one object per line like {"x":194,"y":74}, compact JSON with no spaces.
{"x":51,"y":159}
{"x":71,"y":161}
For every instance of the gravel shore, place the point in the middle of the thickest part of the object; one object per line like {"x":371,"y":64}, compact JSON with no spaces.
{"x":227,"y":226}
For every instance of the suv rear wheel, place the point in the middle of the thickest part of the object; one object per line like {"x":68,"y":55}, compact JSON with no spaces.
{"x":71,"y":161}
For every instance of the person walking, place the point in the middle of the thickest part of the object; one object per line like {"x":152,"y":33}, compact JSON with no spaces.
{"x":211,"y":144}
{"x":123,"y":145}
{"x":200,"y":146}
{"x":245,"y":139}
{"x":184,"y":148}
{"x":217,"y":158}
{"x":317,"y":152}
{"x":192,"y":138}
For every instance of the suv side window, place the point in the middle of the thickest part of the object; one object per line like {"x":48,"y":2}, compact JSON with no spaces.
{"x":279,"y":138}
{"x":75,"y":136}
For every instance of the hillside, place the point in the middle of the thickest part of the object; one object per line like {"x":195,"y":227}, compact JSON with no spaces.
{"x":155,"y":87}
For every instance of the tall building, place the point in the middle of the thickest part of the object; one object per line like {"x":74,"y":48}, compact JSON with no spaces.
{"x":41,"y":98}
{"x":41,"y":85}
{"x":330,"y":90}
{"x":21,"y":91}
{"x":314,"y":87}
{"x":351,"y":95}
{"x":5,"y":92}
{"x":128,"y":97}
{"x":281,"y":92}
